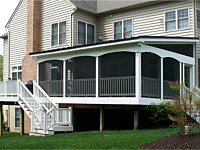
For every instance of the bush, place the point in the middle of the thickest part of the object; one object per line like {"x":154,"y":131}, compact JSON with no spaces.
{"x":159,"y":113}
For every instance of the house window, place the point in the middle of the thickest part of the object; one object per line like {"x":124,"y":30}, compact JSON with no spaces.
{"x":58,"y":33}
{"x":198,"y":19}
{"x":17,"y":73}
{"x":86,"y":33}
{"x":17,"y":117}
{"x":183,"y":19}
{"x":123,"y":29}
{"x":177,"y":19}
{"x":170,"y":20}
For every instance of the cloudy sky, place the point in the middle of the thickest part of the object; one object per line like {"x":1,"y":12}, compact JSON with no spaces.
{"x":6,"y":9}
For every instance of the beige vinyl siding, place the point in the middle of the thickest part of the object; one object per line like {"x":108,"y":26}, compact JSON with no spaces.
{"x":18,"y":27}
{"x":84,"y":17}
{"x":146,"y":20}
{"x":53,"y":11}
{"x":5,"y":60}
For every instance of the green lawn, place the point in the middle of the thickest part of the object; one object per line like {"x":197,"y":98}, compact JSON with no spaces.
{"x":85,"y":140}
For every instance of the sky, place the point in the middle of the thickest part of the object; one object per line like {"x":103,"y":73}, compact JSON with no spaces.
{"x":7,"y":7}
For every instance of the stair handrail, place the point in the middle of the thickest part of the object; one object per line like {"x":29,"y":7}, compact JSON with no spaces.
{"x":47,"y":98}
{"x":197,"y":89}
{"x":20,"y":86}
{"x":192,"y":91}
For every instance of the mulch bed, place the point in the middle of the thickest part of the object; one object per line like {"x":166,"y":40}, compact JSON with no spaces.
{"x":176,"y":141}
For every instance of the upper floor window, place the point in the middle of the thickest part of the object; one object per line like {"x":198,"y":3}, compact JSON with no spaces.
{"x":58,"y":33}
{"x":17,"y":73}
{"x":198,"y":19}
{"x":86,"y":33}
{"x":177,"y":19}
{"x":123,"y":29}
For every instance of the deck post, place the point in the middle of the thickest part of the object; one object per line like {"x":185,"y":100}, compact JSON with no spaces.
{"x":161,"y":79}
{"x":97,"y":77}
{"x":136,"y":119}
{"x":21,"y":121}
{"x":1,"y":119}
{"x":138,"y":76}
{"x":101,"y":118}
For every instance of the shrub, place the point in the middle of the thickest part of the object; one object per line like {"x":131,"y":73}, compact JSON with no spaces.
{"x":159,"y":113}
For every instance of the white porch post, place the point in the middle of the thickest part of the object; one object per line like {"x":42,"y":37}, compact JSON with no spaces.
{"x":192,"y":77}
{"x":183,"y":72}
{"x":180,"y":80}
{"x":161,"y":78}
{"x":97,"y":77}
{"x":38,"y":73}
{"x":138,"y":75}
{"x":64,"y":78}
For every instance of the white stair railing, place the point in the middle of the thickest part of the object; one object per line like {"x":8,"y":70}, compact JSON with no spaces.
{"x":28,"y":97}
{"x":42,"y":96}
{"x":192,"y":96}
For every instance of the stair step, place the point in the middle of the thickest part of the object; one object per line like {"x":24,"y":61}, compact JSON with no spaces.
{"x":63,"y":128}
{"x":37,"y":134}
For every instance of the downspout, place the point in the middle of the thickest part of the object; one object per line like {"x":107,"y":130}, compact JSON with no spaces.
{"x":195,"y":45}
{"x":72,"y":26}
{"x":9,"y":75}
{"x":195,"y":18}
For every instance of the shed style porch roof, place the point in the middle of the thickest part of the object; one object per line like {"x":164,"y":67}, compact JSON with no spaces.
{"x":139,"y":39}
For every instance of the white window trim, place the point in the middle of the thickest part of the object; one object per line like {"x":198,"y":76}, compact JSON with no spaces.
{"x":16,"y":71}
{"x":176,"y":13}
{"x":196,"y":19}
{"x":86,"y":31}
{"x":58,"y":34}
{"x":122,"y":20}
{"x":17,"y":128}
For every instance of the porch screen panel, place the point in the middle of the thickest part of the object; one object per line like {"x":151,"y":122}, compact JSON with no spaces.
{"x":150,"y":75}
{"x":117,"y":76}
{"x":171,"y":74}
{"x":82,"y":83}
{"x":51,"y":77}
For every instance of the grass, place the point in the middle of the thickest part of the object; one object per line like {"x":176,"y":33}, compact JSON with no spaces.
{"x":128,"y":139}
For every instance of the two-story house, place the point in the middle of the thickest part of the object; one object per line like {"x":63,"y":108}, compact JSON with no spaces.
{"x":97,"y":64}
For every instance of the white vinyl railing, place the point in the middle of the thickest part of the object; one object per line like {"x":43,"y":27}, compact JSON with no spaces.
{"x":64,"y":116}
{"x":8,"y":88}
{"x":57,"y":116}
{"x":42,"y":96}
{"x":28,"y":97}
{"x":150,"y":87}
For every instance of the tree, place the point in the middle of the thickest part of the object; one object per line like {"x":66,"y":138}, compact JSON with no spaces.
{"x":181,"y":106}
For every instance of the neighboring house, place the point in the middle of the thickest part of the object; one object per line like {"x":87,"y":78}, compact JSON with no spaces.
{"x":98,"y":64}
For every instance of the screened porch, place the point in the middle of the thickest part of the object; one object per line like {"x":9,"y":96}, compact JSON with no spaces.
{"x":116,"y":77}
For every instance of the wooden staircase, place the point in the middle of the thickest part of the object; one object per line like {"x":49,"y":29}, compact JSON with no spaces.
{"x":46,"y":117}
